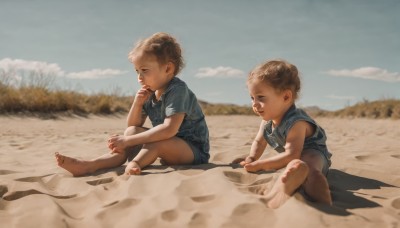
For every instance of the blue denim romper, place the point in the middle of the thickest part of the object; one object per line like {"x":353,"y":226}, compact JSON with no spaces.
{"x":178,"y":98}
{"x":276,"y":137}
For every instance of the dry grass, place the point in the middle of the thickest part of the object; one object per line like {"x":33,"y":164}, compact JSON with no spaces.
{"x":40,"y":101}
{"x":225,"y":109}
{"x":32,"y":100}
{"x":387,"y":108}
{"x":43,"y":102}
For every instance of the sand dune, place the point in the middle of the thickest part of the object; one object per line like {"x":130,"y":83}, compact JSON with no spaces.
{"x":35,"y":192}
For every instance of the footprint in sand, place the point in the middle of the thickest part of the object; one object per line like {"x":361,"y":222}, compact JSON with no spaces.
{"x":396,"y":204}
{"x":100,"y":181}
{"x":250,"y":211}
{"x":169,"y":215}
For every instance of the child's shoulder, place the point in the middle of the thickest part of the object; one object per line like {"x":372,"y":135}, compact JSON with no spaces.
{"x":176,"y":84}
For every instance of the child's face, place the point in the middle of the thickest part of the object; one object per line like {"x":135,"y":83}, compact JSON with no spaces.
{"x":151,"y":74}
{"x":266,"y":101}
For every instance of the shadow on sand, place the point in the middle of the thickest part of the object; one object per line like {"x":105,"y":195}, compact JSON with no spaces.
{"x":343,"y":185}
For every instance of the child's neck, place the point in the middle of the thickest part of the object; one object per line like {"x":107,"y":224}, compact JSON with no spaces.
{"x":159,"y":92}
{"x":278,"y":120}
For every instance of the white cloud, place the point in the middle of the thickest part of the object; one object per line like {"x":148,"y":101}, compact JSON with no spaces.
{"x":16,"y":65}
{"x":372,"y":73}
{"x":221,"y":72}
{"x":16,"y":68}
{"x":336,"y":97}
{"x":96,"y":73}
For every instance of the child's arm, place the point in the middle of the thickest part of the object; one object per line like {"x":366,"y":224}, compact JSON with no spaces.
{"x":166,"y":130}
{"x":257,"y":147}
{"x":293,"y":148}
{"x":135,"y":115}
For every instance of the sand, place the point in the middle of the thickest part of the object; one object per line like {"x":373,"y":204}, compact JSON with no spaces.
{"x":35,"y":192}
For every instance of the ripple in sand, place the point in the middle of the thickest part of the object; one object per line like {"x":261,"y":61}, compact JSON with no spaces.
{"x":198,"y":220}
{"x":3,"y":190}
{"x":395,"y":156}
{"x":32,"y":179}
{"x":240,"y":178}
{"x":249,"y":215}
{"x":201,"y":199}
{"x":20,"y":194}
{"x":362,"y":157}
{"x":6,"y":172}
{"x":100,"y":181}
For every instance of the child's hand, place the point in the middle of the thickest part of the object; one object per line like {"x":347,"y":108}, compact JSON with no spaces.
{"x":117,"y":144}
{"x":238,"y":160}
{"x":247,"y":160}
{"x":142,"y":95}
{"x":252,"y":167}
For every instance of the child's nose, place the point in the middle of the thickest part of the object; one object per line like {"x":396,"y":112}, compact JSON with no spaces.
{"x":255,"y":103}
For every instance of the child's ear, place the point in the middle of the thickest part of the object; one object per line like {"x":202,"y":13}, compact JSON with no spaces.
{"x":288,"y":95}
{"x":170,"y":69}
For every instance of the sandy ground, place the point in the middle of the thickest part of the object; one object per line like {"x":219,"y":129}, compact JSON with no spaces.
{"x":35,"y":192}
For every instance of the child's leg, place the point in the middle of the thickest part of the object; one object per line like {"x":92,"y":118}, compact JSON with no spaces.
{"x":79,"y":167}
{"x":290,"y":180}
{"x":316,"y":185}
{"x":173,"y":151}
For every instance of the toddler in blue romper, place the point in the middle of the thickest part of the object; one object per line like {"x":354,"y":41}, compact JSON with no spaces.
{"x":276,"y":137}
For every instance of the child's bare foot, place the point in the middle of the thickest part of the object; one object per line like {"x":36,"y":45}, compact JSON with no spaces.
{"x":294,"y":175}
{"x":133,"y":168}
{"x":73,"y":165}
{"x":316,"y":186}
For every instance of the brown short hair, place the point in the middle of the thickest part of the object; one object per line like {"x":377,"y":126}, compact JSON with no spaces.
{"x":279,"y":74}
{"x":164,"y":47}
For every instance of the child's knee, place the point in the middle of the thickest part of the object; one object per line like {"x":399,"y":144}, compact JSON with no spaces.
{"x":296,"y":163}
{"x":299,"y":165}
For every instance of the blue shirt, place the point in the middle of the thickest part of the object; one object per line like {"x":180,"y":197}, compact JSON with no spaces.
{"x":276,"y":137}
{"x":178,"y":98}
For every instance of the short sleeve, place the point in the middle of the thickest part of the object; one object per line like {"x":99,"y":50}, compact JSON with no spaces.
{"x":177,"y":100}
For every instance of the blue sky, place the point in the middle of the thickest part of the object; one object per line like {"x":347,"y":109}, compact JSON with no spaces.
{"x":346,"y":51}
